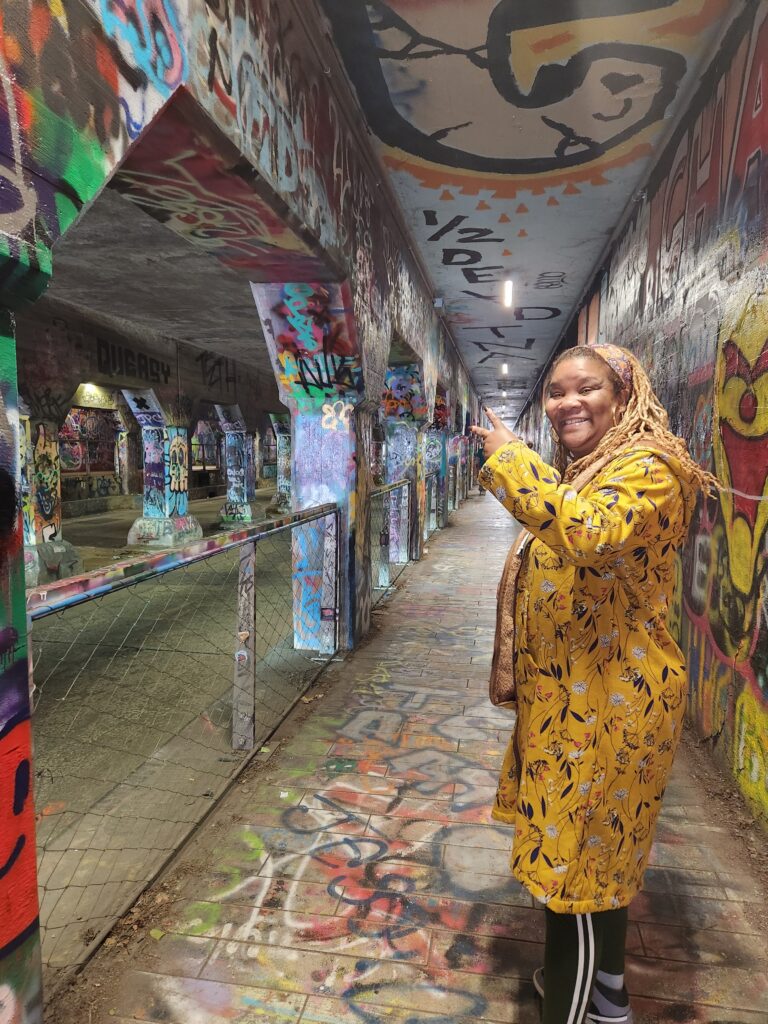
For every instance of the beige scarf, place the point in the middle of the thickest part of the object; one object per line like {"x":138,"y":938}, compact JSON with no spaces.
{"x":502,"y":687}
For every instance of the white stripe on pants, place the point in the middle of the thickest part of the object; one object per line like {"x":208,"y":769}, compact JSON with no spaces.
{"x":585,"y":968}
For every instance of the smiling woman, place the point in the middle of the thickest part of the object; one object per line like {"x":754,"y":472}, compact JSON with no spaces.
{"x":584,"y":399}
{"x":599,"y":682}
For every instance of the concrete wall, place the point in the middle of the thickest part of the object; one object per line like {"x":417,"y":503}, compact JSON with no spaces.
{"x":685,"y":287}
{"x":60,"y":349}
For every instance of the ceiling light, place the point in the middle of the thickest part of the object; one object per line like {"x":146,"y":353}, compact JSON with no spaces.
{"x":505,"y":368}
{"x":507,"y":293}
{"x":503,"y":394}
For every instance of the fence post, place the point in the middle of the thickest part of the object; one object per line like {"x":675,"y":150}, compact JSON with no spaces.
{"x":244,"y":695}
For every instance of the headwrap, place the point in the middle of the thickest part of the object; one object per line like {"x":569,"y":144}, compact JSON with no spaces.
{"x":618,"y":360}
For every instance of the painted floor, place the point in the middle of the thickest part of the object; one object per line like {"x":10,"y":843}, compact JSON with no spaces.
{"x":354,"y":876}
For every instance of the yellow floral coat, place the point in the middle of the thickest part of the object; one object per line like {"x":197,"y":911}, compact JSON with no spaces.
{"x":601,"y":684}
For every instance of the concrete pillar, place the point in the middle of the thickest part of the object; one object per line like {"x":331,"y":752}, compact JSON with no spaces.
{"x":283,"y":436}
{"x":20,"y":965}
{"x":436,"y":462}
{"x":166,"y":521}
{"x":454,"y":471}
{"x":46,"y":480}
{"x":253,"y":464}
{"x":236,"y":508}
{"x":31,"y":566}
{"x":313,"y":345}
{"x":123,"y":460}
{"x":405,"y":409}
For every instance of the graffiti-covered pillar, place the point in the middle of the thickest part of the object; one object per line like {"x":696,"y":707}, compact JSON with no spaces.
{"x":46,"y":480}
{"x":237,"y":445}
{"x":31,"y":566}
{"x":20,"y":965}
{"x":166,"y":521}
{"x":435,"y":468}
{"x":312,"y":341}
{"x":405,"y":410}
{"x":281,"y":425}
{"x":437,"y":448}
{"x":253,"y":464}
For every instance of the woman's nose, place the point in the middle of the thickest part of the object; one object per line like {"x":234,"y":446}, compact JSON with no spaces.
{"x":570,"y":402}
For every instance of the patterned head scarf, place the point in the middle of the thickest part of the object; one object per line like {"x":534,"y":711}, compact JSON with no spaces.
{"x":619,"y":361}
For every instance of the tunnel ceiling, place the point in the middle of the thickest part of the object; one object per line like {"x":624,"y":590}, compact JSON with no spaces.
{"x":127,"y":270}
{"x":515,"y":133}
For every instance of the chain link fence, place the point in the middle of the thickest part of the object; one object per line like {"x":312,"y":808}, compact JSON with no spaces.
{"x":153,"y":682}
{"x":390,"y":518}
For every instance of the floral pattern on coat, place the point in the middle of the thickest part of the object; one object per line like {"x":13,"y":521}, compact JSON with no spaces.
{"x":601,"y":683}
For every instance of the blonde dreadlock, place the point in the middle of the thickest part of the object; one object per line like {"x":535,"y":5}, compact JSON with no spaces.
{"x":644,"y":421}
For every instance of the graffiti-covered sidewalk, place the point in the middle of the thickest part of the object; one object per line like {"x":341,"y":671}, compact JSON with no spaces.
{"x":354,"y":873}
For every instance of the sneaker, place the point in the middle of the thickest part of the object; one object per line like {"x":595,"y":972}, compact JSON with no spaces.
{"x":607,"y":1006}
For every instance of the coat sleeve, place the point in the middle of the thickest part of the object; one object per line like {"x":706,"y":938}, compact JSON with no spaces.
{"x":629,"y":503}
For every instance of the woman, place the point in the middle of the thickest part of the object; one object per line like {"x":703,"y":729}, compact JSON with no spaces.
{"x":600,"y":683}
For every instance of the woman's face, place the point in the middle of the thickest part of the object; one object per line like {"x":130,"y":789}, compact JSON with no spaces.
{"x":581,"y":404}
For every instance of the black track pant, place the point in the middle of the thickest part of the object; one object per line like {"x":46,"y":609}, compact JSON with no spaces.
{"x":577,"y":947}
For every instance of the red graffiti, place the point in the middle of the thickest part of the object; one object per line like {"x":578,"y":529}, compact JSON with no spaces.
{"x":18,"y":879}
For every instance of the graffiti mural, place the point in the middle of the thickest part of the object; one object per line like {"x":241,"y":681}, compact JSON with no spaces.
{"x":404,"y":394}
{"x":19,"y":942}
{"x":312,"y":341}
{"x":46,"y":484}
{"x":154,"y":471}
{"x":684,"y":288}
{"x":504,"y":125}
{"x":178,"y":178}
{"x":176,"y":471}
{"x":61,"y":144}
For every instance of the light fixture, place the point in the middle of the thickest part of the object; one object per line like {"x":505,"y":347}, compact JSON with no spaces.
{"x":503,"y":394}
{"x":505,"y":369}
{"x":508,"y":293}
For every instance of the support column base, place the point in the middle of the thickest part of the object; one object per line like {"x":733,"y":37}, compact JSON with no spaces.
{"x":170,"y":532}
{"x":233,"y":512}
{"x":31,"y":567}
{"x":279,"y":505}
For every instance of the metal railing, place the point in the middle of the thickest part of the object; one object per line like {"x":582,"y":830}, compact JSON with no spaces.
{"x":452,"y":488}
{"x":432,"y":485}
{"x":154,"y":680}
{"x":390,"y":524}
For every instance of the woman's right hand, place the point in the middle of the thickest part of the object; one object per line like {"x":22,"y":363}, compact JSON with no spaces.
{"x":498,"y":435}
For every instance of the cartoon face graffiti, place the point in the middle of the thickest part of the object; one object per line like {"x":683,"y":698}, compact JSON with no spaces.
{"x":498,"y":85}
{"x":18,"y":881}
{"x":177,"y":461}
{"x":741,"y":435}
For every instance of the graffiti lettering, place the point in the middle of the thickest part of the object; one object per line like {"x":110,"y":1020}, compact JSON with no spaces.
{"x":120,"y":361}
{"x":217,"y":371}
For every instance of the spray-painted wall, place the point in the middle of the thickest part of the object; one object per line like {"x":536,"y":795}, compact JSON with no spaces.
{"x":69,"y":133}
{"x":19,"y":950}
{"x":59,"y":349}
{"x":685,"y":288}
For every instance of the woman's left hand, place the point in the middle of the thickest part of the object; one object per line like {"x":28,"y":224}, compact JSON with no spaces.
{"x":497,"y":436}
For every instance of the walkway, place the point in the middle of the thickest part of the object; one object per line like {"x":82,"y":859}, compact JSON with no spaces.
{"x":354,"y":876}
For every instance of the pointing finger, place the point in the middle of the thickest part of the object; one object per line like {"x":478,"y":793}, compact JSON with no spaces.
{"x":495,"y":421}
